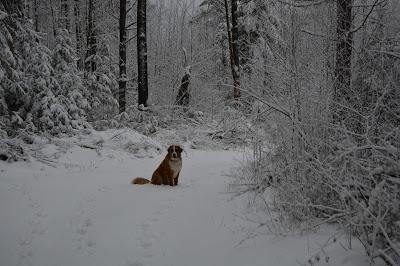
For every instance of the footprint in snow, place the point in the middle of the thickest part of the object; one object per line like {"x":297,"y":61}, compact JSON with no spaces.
{"x":82,"y":224}
{"x":37,"y":229}
{"x":81,"y":232}
{"x":154,"y":219}
{"x":145,"y":243}
{"x":144,"y":226}
{"x":104,"y":189}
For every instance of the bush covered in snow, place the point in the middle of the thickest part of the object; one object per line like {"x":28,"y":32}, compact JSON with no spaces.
{"x":339,"y":176}
{"x":328,"y":161}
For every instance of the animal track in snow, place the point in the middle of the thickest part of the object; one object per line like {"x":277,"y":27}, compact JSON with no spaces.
{"x":35,"y":227}
{"x":82,"y":224}
{"x":145,"y":243}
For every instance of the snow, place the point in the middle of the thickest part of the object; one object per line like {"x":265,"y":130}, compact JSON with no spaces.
{"x":81,"y":209}
{"x":141,"y":107}
{"x":3,"y":15}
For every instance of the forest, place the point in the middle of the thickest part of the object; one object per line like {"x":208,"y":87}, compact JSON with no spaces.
{"x":308,"y":91}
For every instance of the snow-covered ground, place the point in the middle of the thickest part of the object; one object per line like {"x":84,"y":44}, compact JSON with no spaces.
{"x":79,"y":208}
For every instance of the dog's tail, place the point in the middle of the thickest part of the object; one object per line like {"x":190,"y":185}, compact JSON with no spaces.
{"x":140,"y":181}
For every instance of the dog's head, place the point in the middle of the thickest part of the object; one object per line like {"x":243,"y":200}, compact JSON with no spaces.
{"x":174,"y":152}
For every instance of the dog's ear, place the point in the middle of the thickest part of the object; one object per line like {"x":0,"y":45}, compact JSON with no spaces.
{"x":169,"y":149}
{"x":179,"y":149}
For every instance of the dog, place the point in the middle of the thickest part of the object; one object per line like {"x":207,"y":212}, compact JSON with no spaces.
{"x":167,"y":173}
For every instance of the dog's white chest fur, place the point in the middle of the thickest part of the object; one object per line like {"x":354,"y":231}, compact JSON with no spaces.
{"x":176,"y":167}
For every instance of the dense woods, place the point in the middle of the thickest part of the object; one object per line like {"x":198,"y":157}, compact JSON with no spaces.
{"x":313,"y":87}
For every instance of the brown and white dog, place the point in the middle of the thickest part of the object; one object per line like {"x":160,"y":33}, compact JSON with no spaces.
{"x":168,"y":171}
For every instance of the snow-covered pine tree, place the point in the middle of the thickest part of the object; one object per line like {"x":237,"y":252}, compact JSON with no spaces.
{"x":259,"y":27}
{"x":211,"y":17}
{"x":43,"y":108}
{"x":102,"y":87}
{"x":12,"y":87}
{"x":71,"y":91}
{"x":31,"y":96}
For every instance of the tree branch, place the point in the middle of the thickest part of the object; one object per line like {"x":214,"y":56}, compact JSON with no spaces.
{"x":365,"y":19}
{"x":313,"y":3}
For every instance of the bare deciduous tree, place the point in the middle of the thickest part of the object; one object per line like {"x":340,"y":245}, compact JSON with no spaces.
{"x":233,"y":48}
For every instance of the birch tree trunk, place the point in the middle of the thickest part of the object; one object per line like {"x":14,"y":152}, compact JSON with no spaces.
{"x":142,"y":55}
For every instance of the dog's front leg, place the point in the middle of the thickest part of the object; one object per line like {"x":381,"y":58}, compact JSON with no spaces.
{"x":171,"y":182}
{"x":176,"y":180}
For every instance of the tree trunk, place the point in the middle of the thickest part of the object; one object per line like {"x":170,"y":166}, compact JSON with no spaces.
{"x":91,"y":40}
{"x":35,"y":15}
{"x":183,"y":96}
{"x":65,"y":15}
{"x":78,"y":35}
{"x":53,"y":20}
{"x":142,"y":54}
{"x":122,"y":55}
{"x":343,"y":55}
{"x":235,"y":49}
{"x":234,"y":68}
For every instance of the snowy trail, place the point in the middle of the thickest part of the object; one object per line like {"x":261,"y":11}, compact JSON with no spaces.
{"x":85,"y":212}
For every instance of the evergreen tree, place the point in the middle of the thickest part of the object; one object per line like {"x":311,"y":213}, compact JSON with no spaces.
{"x":71,"y":90}
{"x":40,"y":91}
{"x":103,"y":86}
